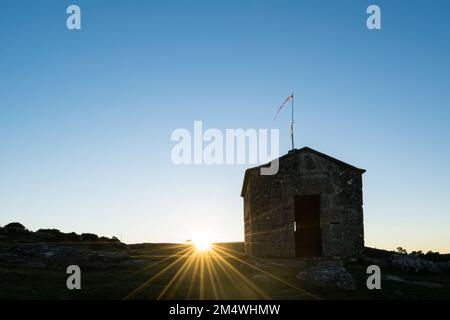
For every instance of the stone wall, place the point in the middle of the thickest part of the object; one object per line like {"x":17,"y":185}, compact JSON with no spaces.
{"x":269,"y":211}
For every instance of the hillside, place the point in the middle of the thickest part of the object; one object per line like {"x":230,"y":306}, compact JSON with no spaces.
{"x":31,"y":268}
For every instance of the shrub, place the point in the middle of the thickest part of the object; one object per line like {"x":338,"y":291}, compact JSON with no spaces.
{"x":15,"y":226}
{"x":417,"y":253}
{"x":50,"y":235}
{"x":72,"y":237}
{"x":435,"y":256}
{"x":90,"y":237}
{"x":15,"y":229}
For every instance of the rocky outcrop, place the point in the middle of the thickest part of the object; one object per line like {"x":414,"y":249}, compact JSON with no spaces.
{"x":405,"y":262}
{"x":49,"y":247}
{"x":41,"y":255}
{"x":330,"y":274}
{"x":411,"y":263}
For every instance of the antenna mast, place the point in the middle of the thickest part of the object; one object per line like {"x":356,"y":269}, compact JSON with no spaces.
{"x":292,"y":121}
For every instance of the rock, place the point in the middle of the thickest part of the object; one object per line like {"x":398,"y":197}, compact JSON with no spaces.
{"x":443,"y":266}
{"x":406,"y":263}
{"x":413,"y":264}
{"x":255,"y":263}
{"x":430,"y":266}
{"x":135,"y":262}
{"x":291,"y":263}
{"x":418,"y":283}
{"x":381,"y":262}
{"x":108,"y":256}
{"x":23,"y":261}
{"x":48,"y":251}
{"x":261,"y":277}
{"x":330,"y":274}
{"x":118,"y":245}
{"x":34,"y":264}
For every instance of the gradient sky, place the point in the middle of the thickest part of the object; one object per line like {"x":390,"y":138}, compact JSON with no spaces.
{"x":86,"y":116}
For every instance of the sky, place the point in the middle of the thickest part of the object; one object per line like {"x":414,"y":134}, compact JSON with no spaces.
{"x":86,"y":115}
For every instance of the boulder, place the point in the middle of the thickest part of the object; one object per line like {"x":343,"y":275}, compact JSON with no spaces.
{"x":49,"y":251}
{"x":330,"y":274}
{"x":443,"y":266}
{"x":108,"y":256}
{"x":410,"y":263}
{"x":259,"y":277}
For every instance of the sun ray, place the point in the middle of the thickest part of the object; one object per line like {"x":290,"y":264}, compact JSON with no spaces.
{"x":150,"y":266}
{"x":212,"y":278}
{"x":241,"y":276}
{"x":183,"y":276}
{"x":193,"y":277}
{"x":229,"y":276}
{"x":199,"y":269}
{"x":178,"y":274}
{"x":270,"y":275}
{"x":146,"y":283}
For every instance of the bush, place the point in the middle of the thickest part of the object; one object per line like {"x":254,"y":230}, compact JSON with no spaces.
{"x":72,"y":237}
{"x":15,"y":228}
{"x":435,"y":256}
{"x":417,"y":253}
{"x":50,"y":235}
{"x":106,"y":239}
{"x":89,"y":237}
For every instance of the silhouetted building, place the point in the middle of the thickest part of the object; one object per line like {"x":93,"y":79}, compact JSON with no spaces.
{"x":311,"y":207}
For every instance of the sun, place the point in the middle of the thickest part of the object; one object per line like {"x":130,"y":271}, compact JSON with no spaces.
{"x":201,"y":244}
{"x":200,"y":241}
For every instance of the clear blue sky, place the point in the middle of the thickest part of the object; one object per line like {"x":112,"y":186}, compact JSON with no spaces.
{"x":86,"y":116}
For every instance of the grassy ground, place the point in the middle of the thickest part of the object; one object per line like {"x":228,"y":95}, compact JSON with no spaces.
{"x":168,"y":271}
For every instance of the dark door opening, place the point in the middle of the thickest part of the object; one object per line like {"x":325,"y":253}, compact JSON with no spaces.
{"x":308,"y":238}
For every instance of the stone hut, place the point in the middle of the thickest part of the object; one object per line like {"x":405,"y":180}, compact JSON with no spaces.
{"x":311,"y":207}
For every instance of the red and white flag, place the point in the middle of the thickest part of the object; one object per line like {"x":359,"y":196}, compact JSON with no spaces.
{"x":282,"y":105}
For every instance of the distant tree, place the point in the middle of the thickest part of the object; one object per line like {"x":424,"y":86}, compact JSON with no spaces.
{"x":400,"y":250}
{"x":72,"y":237}
{"x":53,"y":235}
{"x":435,"y":256}
{"x":15,"y":226}
{"x":15,"y":229}
{"x":89,"y":237}
{"x":115,"y":239}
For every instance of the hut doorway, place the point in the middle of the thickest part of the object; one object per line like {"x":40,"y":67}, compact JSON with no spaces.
{"x":308,"y":238}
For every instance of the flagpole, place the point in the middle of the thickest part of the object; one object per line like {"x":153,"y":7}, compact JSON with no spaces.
{"x":292,"y":121}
